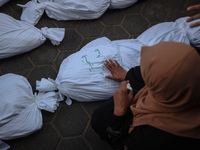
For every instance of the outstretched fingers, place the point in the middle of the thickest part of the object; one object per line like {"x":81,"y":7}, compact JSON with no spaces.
{"x":195,"y":24}
{"x":197,"y":16}
{"x":193,"y":18}
{"x":117,"y":64}
{"x":194,"y":7}
{"x":110,"y":65}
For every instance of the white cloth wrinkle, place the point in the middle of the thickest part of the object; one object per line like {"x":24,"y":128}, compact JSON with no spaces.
{"x":47,"y":101}
{"x":21,"y":110}
{"x":18,"y":37}
{"x":49,"y":85}
{"x":56,"y":35}
{"x":69,"y":9}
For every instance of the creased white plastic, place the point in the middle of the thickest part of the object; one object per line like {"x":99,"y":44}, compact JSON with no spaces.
{"x":193,"y":34}
{"x":32,"y":12}
{"x":21,"y":110}
{"x":63,"y":9}
{"x":119,"y":4}
{"x":129,"y":51}
{"x":47,"y":85}
{"x":47,"y":101}
{"x":27,"y":122}
{"x":56,"y":35}
{"x":178,"y":31}
{"x":18,"y":37}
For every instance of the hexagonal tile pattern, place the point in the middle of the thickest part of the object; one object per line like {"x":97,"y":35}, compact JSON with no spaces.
{"x":66,"y":24}
{"x":66,"y":120}
{"x":69,"y":127}
{"x":135,"y":9}
{"x":73,"y":144}
{"x":61,"y":57}
{"x":46,"y":138}
{"x":95,"y":141}
{"x":135,"y":24}
{"x":112,"y":17}
{"x":45,"y":21}
{"x":90,"y":107}
{"x":90,"y":28}
{"x":39,"y":55}
{"x":71,"y":40}
{"x":154,"y":12}
{"x":41,"y":72}
{"x":173,"y":5}
{"x":114,"y":33}
{"x":47,"y":116}
{"x":18,"y":64}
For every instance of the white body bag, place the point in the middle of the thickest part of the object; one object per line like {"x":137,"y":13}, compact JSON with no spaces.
{"x":21,"y":110}
{"x":82,"y":75}
{"x":178,"y":31}
{"x":18,"y":37}
{"x":69,"y":9}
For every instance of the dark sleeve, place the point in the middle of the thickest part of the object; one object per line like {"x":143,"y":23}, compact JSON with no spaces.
{"x":117,"y":130}
{"x":147,"y":137}
{"x":135,"y":78}
{"x":143,"y":138}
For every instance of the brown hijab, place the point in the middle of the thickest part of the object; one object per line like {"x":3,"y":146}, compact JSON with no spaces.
{"x":170,"y":101}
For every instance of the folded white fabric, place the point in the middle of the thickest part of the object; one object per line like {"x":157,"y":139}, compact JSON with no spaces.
{"x":82,"y":75}
{"x":178,"y":31}
{"x":119,"y":4}
{"x":63,"y":9}
{"x":2,"y":2}
{"x":21,"y":110}
{"x":18,"y":37}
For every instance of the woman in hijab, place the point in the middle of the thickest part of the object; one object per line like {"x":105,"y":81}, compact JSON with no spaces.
{"x":163,"y":109}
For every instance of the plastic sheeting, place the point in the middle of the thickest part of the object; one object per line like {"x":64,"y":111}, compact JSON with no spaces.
{"x":69,"y":9}
{"x":21,"y":110}
{"x":18,"y":37}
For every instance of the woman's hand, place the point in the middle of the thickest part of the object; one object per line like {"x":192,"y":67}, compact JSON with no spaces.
{"x":118,"y":73}
{"x":122,"y":99}
{"x":197,"y":16}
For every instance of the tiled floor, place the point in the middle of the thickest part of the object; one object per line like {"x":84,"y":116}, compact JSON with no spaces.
{"x":69,"y":127}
